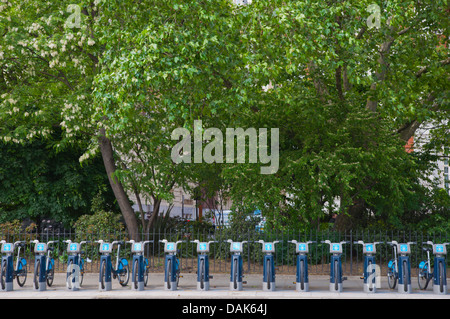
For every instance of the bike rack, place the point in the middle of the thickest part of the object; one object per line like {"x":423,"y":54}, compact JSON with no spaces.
{"x":371,"y":275}
{"x":336,"y":278}
{"x":170,"y":260}
{"x":105,"y":249}
{"x":236,"y":248}
{"x":440,"y":269}
{"x":203,"y":258}
{"x":74,"y":259}
{"x":404,"y":266}
{"x":138,"y":259}
{"x":302,"y":249}
{"x":40,"y":250}
{"x":268,"y":249}
{"x":8,"y":261}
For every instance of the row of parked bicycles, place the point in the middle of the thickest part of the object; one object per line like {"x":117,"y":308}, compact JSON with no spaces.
{"x":398,"y":272}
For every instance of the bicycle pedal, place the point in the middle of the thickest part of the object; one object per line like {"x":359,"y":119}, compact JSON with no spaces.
{"x":294,"y":282}
{"x":244,"y":282}
{"x":344,"y":278}
{"x":211,"y":277}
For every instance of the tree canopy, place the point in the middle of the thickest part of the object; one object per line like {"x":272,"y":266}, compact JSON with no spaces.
{"x":347,"y":84}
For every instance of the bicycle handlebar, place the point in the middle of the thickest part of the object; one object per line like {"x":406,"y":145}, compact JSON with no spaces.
{"x":132,"y":242}
{"x":269,"y":242}
{"x":363,"y":243}
{"x":299,"y":242}
{"x":329,"y":242}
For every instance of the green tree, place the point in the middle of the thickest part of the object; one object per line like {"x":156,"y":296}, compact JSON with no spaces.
{"x":346,"y":98}
{"x":37,"y":183}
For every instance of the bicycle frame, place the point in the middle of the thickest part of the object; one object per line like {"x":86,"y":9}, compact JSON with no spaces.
{"x":18,"y":257}
{"x":8,"y":271}
{"x":106,"y":267}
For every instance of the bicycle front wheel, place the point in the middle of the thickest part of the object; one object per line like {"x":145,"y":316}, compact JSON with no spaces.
{"x":21,"y":276}
{"x":168,"y":273}
{"x":50,"y":272}
{"x":103,"y":274}
{"x":124,"y":274}
{"x":235,"y":273}
{"x":391,"y":276}
{"x":268,"y":273}
{"x":302,"y":274}
{"x":3,"y":275}
{"x":136,"y":273}
{"x":337,"y":275}
{"x":422,"y":278}
{"x":202,"y":273}
{"x":405,"y":276}
{"x":441,"y":277}
{"x":37,"y":273}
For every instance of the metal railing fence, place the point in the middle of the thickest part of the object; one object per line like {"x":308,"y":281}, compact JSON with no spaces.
{"x":318,"y":257}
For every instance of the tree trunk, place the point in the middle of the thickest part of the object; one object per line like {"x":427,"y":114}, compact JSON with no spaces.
{"x":152,"y":220}
{"x":354,"y":217}
{"x":119,"y":192}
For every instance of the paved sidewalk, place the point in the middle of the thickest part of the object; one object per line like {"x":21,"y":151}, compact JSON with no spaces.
{"x":219,"y":289}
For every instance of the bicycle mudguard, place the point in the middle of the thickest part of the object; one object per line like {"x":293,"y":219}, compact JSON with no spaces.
{"x":23,"y":262}
{"x":124,"y":262}
{"x":423,"y":265}
{"x":51,"y":264}
{"x":391,"y":264}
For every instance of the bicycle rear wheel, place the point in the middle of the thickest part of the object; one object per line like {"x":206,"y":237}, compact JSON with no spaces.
{"x":103,"y":274}
{"x":441,"y":277}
